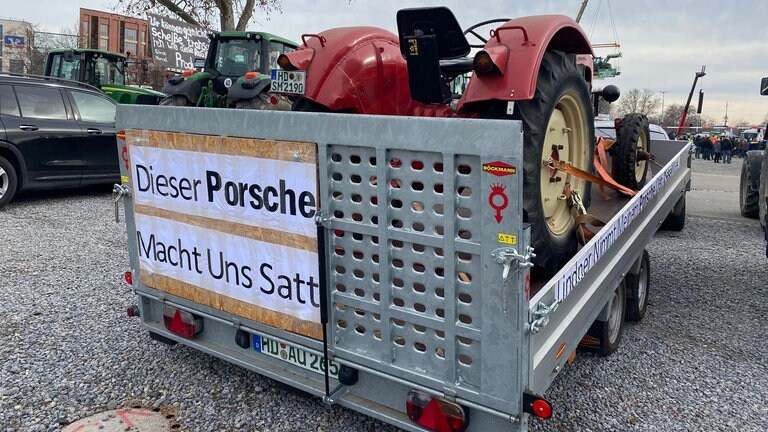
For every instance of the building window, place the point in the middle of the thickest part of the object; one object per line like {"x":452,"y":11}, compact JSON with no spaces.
{"x":104,"y":37}
{"x":131,"y":41}
{"x":16,"y":66}
{"x":84,"y":34}
{"x":143,"y":44}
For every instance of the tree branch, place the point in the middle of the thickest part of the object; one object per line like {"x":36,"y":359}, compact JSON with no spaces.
{"x":173,"y":7}
{"x":242,"y":23}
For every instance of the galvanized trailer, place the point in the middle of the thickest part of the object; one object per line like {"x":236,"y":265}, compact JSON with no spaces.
{"x":393,"y":246}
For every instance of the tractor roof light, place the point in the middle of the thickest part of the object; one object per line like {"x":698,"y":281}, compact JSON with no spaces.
{"x":434,"y":413}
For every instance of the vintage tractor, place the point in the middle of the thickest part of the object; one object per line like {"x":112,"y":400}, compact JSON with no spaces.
{"x":235,"y":73}
{"x":102,"y":69}
{"x":535,"y":69}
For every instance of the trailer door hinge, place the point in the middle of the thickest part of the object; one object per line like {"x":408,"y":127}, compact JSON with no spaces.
{"x":541,"y":315}
{"x":118,"y":192}
{"x":506,"y":256}
{"x":322,"y":219}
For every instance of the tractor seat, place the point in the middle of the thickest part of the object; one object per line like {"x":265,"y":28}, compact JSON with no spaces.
{"x":456,"y":67}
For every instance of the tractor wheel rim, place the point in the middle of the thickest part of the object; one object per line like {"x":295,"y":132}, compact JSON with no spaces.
{"x":642,"y":146}
{"x":565,"y":140}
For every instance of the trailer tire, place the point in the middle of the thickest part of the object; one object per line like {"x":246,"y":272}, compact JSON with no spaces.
{"x":633,"y":136}
{"x":749,"y":196}
{"x":675,"y":221}
{"x":559,"y":114}
{"x":609,"y":331}
{"x":637,"y":286}
{"x":176,"y":100}
{"x":9,"y":182}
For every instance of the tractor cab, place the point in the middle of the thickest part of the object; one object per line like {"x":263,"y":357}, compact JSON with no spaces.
{"x":435,"y":50}
{"x":97,"y":68}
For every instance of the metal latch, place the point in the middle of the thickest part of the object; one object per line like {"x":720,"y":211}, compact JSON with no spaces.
{"x":506,"y":256}
{"x":541,"y":315}
{"x":118,"y":192}
{"x":322,"y":219}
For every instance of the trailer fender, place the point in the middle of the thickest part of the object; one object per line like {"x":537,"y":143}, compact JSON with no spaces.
{"x":527,"y":39}
{"x":248,"y":89}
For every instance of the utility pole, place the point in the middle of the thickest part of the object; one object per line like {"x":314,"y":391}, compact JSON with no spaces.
{"x":661,"y":120}
{"x":725,"y":119}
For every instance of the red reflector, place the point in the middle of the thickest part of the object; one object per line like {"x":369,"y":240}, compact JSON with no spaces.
{"x":128,"y":276}
{"x":133,"y":311}
{"x":273,"y":100}
{"x":542,"y":409}
{"x":435,"y":413}
{"x":182,"y":323}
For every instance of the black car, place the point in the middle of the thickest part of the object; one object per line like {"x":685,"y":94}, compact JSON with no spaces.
{"x":54,"y":133}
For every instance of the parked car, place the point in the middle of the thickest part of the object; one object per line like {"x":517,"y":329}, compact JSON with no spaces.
{"x":54,"y":133}
{"x":606,"y":129}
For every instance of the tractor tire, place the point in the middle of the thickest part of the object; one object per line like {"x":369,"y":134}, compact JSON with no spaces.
{"x":255,"y":103}
{"x":637,"y":286}
{"x":749,"y":196}
{"x":8,"y":181}
{"x":557,"y":123}
{"x":763,"y":197}
{"x":609,"y":331}
{"x":675,"y":220}
{"x":633,"y":138}
{"x":307,"y":105}
{"x":176,"y":100}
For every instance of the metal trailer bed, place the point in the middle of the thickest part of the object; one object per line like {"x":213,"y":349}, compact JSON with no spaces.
{"x":425,"y":279}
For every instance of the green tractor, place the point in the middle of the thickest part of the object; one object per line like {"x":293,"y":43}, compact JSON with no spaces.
{"x":235,"y":73}
{"x":102,"y":69}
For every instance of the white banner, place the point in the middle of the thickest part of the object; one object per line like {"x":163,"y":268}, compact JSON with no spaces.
{"x":266,"y":193}
{"x":275,"y":277}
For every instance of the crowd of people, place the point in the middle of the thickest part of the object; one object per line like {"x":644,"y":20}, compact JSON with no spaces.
{"x":720,"y":149}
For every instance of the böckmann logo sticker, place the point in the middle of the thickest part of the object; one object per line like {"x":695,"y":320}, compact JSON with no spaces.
{"x":499,"y":168}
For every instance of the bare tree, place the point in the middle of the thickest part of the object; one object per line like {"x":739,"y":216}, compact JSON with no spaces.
{"x":232,"y":14}
{"x":642,"y":101}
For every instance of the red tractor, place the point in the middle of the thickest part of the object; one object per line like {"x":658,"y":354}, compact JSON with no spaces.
{"x":534,"y":69}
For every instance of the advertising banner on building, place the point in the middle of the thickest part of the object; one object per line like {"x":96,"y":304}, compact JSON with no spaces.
{"x":176,"y":44}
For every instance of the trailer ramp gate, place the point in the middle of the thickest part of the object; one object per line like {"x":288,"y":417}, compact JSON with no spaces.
{"x":417,"y":215}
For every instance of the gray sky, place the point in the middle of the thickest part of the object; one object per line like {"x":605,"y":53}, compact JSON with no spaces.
{"x":663,"y":43}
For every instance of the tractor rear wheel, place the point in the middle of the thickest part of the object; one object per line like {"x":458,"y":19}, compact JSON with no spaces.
{"x":633,"y":140}
{"x":763,"y":195}
{"x":557,"y":124}
{"x":748,"y":196}
{"x":176,"y":100}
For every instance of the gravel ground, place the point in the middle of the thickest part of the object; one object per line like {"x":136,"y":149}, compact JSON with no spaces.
{"x":68,"y":350}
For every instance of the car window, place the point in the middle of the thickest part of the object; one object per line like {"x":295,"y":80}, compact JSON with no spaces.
{"x":94,"y":108}
{"x":8,"y":105}
{"x":41,"y":102}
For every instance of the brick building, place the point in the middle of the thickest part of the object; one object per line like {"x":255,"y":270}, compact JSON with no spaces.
{"x":116,"y":33}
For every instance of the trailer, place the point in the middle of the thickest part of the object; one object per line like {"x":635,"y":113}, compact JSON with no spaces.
{"x":380,"y":263}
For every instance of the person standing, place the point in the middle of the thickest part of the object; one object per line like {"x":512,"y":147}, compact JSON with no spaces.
{"x":727,"y":147}
{"x":717,"y":147}
{"x":697,"y":146}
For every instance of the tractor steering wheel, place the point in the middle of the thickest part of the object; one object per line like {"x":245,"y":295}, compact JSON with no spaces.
{"x":472,"y":31}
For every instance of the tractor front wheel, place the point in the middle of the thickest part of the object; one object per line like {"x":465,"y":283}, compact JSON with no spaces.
{"x":557,"y":124}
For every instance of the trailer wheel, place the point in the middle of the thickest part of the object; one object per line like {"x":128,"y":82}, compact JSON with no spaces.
{"x":558,"y":124}
{"x":633,"y":141}
{"x":637,"y":286}
{"x":609,"y":331}
{"x":176,"y":100}
{"x":675,"y":220}
{"x":749,"y":196}
{"x":8,"y":181}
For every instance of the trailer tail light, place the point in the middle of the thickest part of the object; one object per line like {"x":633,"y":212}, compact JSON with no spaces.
{"x":133,"y":311}
{"x":182,"y":323}
{"x":483,"y":63}
{"x":128,"y":276}
{"x":434,"y":413}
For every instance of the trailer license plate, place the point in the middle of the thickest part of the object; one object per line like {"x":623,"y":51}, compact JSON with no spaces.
{"x":291,"y":82}
{"x":293,"y":355}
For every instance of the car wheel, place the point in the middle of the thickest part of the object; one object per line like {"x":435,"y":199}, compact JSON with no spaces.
{"x":8,"y":181}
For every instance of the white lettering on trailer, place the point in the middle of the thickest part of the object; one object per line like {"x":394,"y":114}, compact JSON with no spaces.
{"x":611,"y":232}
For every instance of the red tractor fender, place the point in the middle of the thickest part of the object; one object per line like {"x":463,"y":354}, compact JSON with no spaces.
{"x":521,"y":43}
{"x":355,"y":69}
